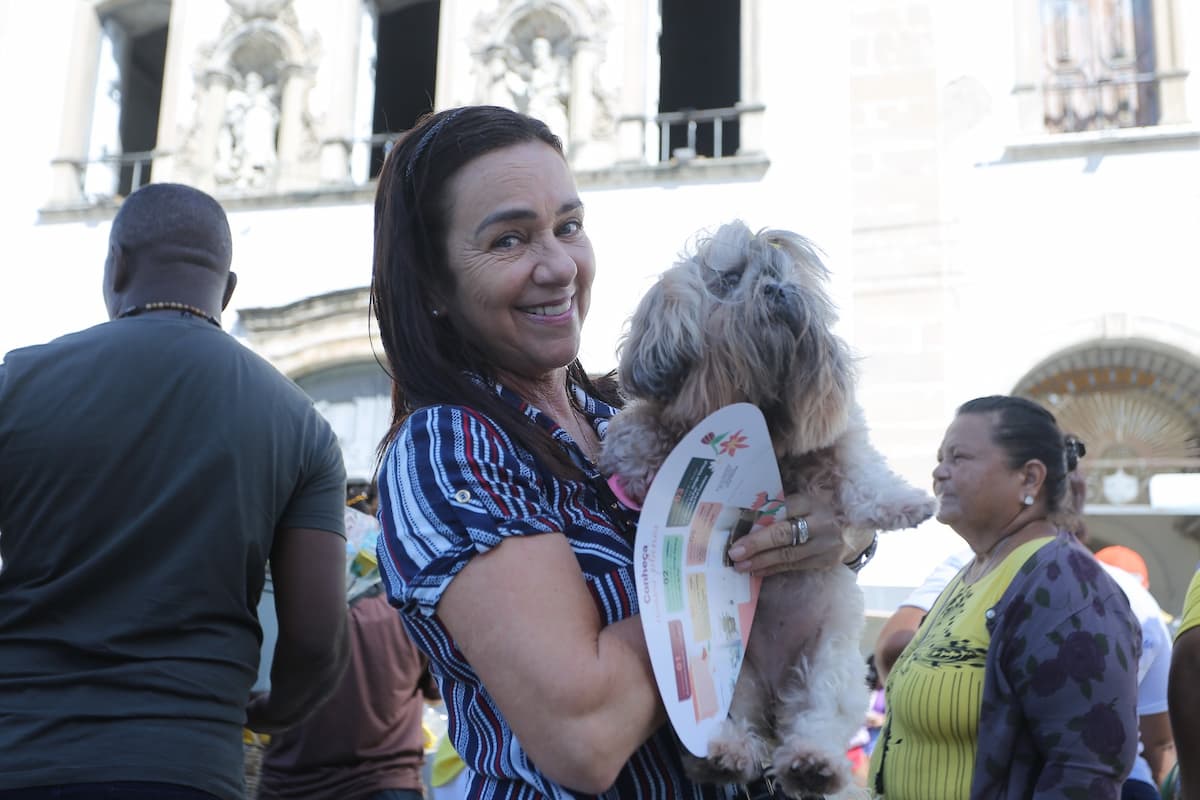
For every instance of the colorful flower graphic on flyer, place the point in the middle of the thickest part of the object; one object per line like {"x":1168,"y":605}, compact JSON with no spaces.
{"x":725,"y":444}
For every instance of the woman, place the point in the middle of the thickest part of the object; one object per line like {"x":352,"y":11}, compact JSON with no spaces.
{"x":502,"y":545}
{"x":1022,"y":680}
{"x":366,"y":742}
{"x":1185,"y":700}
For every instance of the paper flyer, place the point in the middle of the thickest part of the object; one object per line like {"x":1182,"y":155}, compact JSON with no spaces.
{"x":720,"y":482}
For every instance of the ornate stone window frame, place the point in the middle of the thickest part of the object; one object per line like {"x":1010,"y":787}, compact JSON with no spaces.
{"x":87,"y":29}
{"x":627,"y":154}
{"x":1175,"y":128}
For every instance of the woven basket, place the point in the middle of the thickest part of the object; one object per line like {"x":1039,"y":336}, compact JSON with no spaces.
{"x":253,"y":745}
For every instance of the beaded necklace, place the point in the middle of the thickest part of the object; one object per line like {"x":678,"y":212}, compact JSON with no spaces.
{"x":169,"y":305}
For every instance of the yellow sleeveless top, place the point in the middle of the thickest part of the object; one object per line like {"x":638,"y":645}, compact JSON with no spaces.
{"x":935,"y":690}
{"x":1191,"y":606}
{"x":446,"y":763}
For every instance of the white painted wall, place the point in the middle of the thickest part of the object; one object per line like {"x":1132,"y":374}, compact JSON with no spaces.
{"x":1029,"y":257}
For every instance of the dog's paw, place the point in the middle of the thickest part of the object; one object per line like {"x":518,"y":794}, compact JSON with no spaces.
{"x":802,"y":770}
{"x":910,"y":513}
{"x":728,"y":761}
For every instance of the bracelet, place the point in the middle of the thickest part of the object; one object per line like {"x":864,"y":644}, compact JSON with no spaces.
{"x":865,"y":556}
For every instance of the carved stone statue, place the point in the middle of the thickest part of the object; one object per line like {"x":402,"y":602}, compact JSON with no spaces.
{"x":548,"y":87}
{"x":246,"y":148}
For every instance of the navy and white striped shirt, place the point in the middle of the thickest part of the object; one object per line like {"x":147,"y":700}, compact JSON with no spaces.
{"x":452,"y":485}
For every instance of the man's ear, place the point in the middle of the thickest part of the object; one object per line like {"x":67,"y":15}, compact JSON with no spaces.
{"x":230,"y":285}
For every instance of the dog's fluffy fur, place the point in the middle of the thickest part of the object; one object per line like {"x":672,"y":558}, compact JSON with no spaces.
{"x":747,"y":319}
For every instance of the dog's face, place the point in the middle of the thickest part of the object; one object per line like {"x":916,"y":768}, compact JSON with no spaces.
{"x":747,"y":319}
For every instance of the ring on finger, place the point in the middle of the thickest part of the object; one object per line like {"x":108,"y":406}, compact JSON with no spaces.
{"x":799,"y":531}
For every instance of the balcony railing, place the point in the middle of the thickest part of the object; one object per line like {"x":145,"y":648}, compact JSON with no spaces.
{"x":367,"y":155}
{"x":1074,"y":102}
{"x":112,"y":174}
{"x":697,"y":133}
{"x":674,"y":137}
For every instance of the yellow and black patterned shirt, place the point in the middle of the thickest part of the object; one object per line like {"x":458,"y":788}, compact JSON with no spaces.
{"x":935,"y":690}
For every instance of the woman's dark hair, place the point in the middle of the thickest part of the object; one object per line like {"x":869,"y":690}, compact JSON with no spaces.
{"x":872,"y":674}
{"x":428,"y":361}
{"x":361,"y":495}
{"x":1025,"y":430}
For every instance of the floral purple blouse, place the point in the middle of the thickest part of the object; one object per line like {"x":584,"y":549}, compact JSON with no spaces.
{"x":1060,"y":688}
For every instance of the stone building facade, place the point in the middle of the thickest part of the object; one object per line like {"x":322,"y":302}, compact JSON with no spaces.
{"x":1006,"y":192}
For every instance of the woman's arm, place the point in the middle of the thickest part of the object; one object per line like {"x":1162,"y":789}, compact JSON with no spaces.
{"x":1073,"y":667}
{"x":1185,"y":710}
{"x":1154,"y":724}
{"x":581,"y":697}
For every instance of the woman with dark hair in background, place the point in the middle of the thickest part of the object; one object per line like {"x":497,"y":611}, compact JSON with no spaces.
{"x":1022,"y":680}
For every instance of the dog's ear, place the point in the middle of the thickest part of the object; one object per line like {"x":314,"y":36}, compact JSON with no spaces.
{"x":666,"y":335}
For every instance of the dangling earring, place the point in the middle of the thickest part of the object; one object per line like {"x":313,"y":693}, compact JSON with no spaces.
{"x":1028,"y":500}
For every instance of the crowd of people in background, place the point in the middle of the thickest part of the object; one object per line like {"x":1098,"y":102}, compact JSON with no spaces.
{"x":156,"y":476}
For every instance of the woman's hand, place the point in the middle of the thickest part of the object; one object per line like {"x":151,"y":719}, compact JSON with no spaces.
{"x":769,"y":550}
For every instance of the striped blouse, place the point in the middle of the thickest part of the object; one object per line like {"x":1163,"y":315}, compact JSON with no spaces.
{"x":453,"y":485}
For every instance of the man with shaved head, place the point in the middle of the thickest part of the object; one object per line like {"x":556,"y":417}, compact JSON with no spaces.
{"x":150,"y":467}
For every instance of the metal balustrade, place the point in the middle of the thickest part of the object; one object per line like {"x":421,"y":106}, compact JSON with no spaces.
{"x":667,"y":137}
{"x":705,"y":132}
{"x":113,"y":174}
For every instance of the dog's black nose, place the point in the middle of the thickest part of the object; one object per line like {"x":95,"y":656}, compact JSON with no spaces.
{"x":784,"y":301}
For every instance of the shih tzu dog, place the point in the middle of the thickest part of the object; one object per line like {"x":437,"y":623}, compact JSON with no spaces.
{"x":747,"y":319}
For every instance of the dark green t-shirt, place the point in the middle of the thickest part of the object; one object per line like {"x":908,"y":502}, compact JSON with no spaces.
{"x":145,"y":465}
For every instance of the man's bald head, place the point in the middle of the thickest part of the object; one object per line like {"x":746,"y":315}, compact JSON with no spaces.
{"x":169,"y":224}
{"x":169,"y":243}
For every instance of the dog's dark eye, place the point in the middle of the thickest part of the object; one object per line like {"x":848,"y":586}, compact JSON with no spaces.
{"x":727,"y":282}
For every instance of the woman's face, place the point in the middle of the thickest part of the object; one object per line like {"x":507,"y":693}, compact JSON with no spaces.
{"x":522,"y":263}
{"x":976,"y":489}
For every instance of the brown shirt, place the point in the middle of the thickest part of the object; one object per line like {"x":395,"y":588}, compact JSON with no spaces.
{"x":367,"y":737}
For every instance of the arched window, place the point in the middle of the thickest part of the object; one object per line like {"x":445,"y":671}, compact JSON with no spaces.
{"x":356,"y":400}
{"x":1136,"y":404}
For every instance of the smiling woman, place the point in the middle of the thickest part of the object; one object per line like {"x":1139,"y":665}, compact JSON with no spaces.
{"x":482,"y":279}
{"x":502,"y":545}
{"x":521,"y":263}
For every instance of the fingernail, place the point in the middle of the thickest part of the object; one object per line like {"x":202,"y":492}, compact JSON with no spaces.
{"x":742,"y":566}
{"x":737,"y":552}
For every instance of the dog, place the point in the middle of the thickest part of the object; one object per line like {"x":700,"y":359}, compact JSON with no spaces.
{"x":748,"y":319}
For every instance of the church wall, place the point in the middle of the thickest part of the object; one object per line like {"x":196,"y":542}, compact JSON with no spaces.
{"x":961,"y":254}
